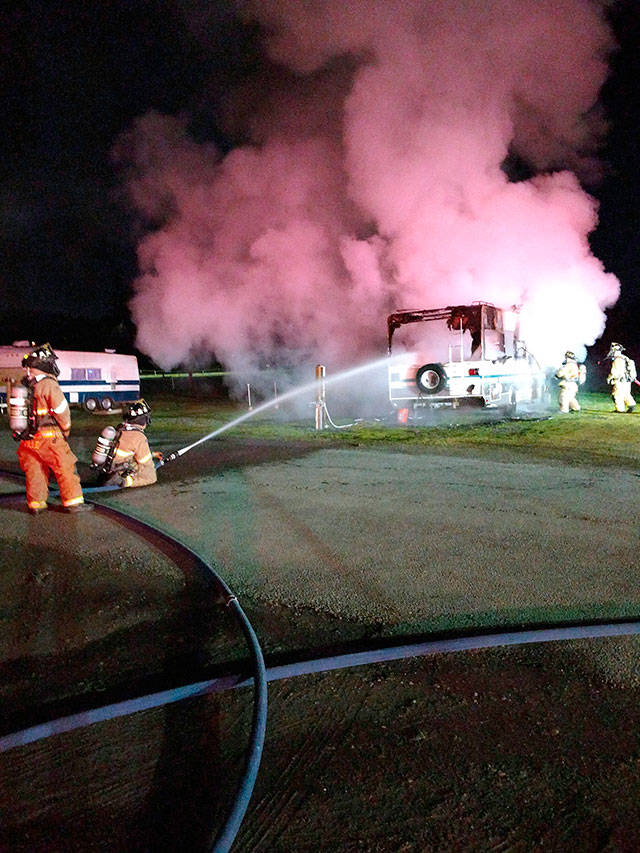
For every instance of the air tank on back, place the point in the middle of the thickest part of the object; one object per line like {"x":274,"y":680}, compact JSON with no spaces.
{"x":103,"y":447}
{"x":18,"y":409}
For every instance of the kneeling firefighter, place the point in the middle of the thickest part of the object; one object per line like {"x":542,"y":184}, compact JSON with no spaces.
{"x":40,"y":420}
{"x":569,"y":376}
{"x":122,"y":453}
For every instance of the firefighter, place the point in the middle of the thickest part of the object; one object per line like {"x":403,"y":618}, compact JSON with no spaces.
{"x":621,"y":375}
{"x":43,"y":431}
{"x":128,"y":461}
{"x":569,"y":376}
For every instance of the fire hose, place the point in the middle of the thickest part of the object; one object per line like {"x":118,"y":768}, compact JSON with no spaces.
{"x":229,"y":830}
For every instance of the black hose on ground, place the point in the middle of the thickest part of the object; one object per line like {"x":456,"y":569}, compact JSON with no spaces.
{"x":229,"y":830}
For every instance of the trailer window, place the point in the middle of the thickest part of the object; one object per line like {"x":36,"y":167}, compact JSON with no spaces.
{"x":78,"y":373}
{"x":94,"y":373}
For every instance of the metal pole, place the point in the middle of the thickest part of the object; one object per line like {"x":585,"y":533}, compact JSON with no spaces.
{"x":320,"y":398}
{"x":249,"y":395}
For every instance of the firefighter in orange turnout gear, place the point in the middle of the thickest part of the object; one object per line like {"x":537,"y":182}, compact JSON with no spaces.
{"x":570,"y":375}
{"x":43,"y":445}
{"x":132,"y":460}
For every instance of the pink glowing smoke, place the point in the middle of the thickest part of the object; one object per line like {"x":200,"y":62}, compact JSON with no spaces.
{"x":373,"y":182}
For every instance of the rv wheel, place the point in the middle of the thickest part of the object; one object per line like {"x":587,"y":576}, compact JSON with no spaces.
{"x":430,"y":378}
{"x":106,"y":404}
{"x":90,"y":404}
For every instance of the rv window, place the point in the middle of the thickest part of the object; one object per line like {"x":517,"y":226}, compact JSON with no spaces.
{"x":78,"y":373}
{"x":94,"y":373}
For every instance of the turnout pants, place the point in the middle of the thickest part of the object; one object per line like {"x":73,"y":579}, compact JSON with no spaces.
{"x":622,"y":399}
{"x":49,"y":452}
{"x":567,"y":397}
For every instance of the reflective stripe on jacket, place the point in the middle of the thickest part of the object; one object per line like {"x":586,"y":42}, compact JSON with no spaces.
{"x":50,"y":404}
{"x":133,"y":450}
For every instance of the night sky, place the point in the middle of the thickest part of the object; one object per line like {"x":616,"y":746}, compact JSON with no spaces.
{"x":76,"y":74}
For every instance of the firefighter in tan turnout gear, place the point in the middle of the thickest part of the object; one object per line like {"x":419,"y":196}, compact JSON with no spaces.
{"x":621,"y":375}
{"x":123,"y":454}
{"x":570,"y":375}
{"x":40,"y":420}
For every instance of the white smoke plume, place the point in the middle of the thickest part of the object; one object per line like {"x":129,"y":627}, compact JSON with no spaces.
{"x":374,"y":180}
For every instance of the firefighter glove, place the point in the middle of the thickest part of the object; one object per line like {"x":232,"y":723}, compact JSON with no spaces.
{"x":115,"y":480}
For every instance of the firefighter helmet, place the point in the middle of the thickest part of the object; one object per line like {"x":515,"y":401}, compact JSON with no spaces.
{"x":137,"y":413}
{"x":569,"y":356}
{"x":42,"y":358}
{"x":614,"y":350}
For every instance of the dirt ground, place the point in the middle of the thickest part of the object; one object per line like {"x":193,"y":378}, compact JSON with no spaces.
{"x":328,"y":549}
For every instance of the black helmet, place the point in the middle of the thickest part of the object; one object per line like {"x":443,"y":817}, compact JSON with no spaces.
{"x":42,"y":358}
{"x":569,"y":356}
{"x":137,"y":413}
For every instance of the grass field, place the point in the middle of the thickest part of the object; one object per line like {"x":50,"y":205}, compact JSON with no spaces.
{"x":597,"y":435}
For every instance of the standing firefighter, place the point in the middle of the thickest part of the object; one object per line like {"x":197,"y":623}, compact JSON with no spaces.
{"x":123,"y":454}
{"x":569,"y":376}
{"x":621,"y":375}
{"x":40,"y":420}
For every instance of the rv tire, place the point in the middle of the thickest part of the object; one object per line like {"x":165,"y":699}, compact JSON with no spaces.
{"x":430,"y":378}
{"x":106,"y":404}
{"x":90,"y":404}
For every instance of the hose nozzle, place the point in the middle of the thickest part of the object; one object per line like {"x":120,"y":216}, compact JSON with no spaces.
{"x":169,"y":458}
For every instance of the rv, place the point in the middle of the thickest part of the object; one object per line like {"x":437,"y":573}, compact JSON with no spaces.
{"x":95,"y":380}
{"x":460,"y":355}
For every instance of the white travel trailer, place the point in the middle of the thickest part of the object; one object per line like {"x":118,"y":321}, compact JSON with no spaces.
{"x":94,"y":380}
{"x":461,"y":355}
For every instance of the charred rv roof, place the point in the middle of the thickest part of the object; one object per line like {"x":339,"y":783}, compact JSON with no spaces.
{"x":457,"y":316}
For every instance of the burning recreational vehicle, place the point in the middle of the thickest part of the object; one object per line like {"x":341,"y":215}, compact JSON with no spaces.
{"x":461,"y":355}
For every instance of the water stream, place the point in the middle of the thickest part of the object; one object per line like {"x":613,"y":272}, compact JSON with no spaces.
{"x":288,"y":395}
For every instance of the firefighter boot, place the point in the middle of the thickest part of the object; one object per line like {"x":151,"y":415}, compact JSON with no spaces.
{"x":82,"y":507}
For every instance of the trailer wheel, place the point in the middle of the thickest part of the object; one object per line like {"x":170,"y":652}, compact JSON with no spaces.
{"x":106,"y":404}
{"x":90,"y":404}
{"x":430,"y":378}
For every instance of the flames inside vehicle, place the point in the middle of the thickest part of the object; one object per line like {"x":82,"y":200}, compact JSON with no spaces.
{"x":461,"y":355}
